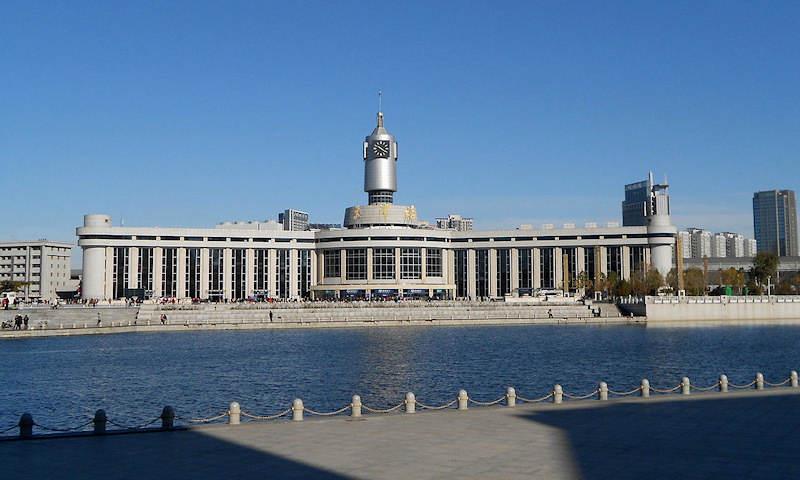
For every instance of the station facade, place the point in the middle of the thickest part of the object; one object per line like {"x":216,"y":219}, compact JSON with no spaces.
{"x":384,"y":251}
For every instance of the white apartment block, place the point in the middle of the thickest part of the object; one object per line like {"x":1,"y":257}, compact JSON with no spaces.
{"x":44,"y":266}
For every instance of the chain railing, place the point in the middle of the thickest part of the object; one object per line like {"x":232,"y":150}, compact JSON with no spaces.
{"x":410,"y":404}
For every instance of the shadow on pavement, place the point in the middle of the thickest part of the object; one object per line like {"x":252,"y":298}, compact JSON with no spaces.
{"x":739,"y":437}
{"x":162,"y":455}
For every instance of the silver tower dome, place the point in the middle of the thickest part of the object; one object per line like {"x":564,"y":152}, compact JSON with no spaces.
{"x":380,"y":165}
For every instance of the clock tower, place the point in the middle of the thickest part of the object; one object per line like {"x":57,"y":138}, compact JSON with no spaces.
{"x":380,"y":165}
{"x":379,"y":153}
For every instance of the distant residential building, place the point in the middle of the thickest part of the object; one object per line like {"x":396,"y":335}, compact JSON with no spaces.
{"x":719,"y":245}
{"x":686,"y":244}
{"x":700,"y":243}
{"x":775,"y":222}
{"x":293,"y":220}
{"x":42,"y":265}
{"x":734,"y":244}
{"x":750,"y":247}
{"x":454,"y":222}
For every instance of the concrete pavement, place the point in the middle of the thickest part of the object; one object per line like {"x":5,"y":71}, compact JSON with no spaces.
{"x":735,"y":435}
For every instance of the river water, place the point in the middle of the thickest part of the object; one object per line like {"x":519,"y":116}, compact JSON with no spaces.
{"x":63,"y":380}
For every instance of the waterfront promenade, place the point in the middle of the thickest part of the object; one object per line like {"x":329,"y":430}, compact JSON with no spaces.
{"x":749,"y":434}
{"x":146,"y":318}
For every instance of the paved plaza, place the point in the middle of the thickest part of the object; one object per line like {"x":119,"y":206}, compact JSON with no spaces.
{"x":735,"y":435}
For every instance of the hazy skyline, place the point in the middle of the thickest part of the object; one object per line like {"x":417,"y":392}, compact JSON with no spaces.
{"x":193,"y":113}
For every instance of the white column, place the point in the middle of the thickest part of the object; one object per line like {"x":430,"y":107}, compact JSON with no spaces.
{"x":109,"y":287}
{"x":272,"y":272}
{"x":492,"y":272}
{"x":133,"y":267}
{"x":424,"y":254}
{"x":536,"y":258}
{"x":397,"y":267}
{"x":251,"y":272}
{"x":581,"y":260}
{"x":158,"y":260}
{"x":227,"y":273}
{"x":603,"y":252}
{"x":369,"y":265}
{"x":626,"y":262}
{"x":514,"y":270}
{"x":343,"y":263}
{"x":472,"y":272}
{"x":294,"y":264}
{"x":204,"y":270}
{"x":180,"y":287}
{"x":558,"y":268}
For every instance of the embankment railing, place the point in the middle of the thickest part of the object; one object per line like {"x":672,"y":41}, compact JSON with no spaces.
{"x":26,"y":426}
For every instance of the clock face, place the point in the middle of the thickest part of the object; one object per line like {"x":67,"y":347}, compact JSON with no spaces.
{"x":380,"y":148}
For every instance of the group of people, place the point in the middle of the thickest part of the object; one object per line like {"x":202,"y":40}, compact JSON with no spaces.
{"x":21,"y":322}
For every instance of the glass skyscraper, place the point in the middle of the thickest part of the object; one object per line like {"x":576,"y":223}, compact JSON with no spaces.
{"x":775,"y":222}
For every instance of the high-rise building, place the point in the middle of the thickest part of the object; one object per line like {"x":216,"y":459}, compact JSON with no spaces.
{"x":42,"y":267}
{"x":775,"y":222}
{"x":454,"y":222}
{"x":750,"y":247}
{"x":293,"y":220}
{"x":635,"y":205}
{"x":719,"y":245}
{"x":644,"y":200}
{"x":734,"y":244}
{"x":701,"y":242}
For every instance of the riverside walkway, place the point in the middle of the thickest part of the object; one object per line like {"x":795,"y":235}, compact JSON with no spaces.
{"x":746,"y":434}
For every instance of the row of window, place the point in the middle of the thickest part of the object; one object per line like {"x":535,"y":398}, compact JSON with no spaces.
{"x":547,"y":268}
{"x":383,"y":263}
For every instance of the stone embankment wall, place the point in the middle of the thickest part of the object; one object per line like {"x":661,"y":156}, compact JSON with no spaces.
{"x":695,"y":309}
{"x":71,"y":316}
{"x":78,"y":321}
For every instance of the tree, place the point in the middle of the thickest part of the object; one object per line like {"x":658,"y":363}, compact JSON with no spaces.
{"x":12,"y":286}
{"x":623,"y":288}
{"x":695,"y":281}
{"x":765,"y":265}
{"x":653,"y":281}
{"x":733,"y":278}
{"x":638,"y":284}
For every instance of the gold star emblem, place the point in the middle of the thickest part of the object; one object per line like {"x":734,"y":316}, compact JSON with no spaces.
{"x":411,"y":213}
{"x":357,"y":213}
{"x":385,"y":211}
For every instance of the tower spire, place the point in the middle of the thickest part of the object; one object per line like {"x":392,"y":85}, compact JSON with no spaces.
{"x":380,"y":108}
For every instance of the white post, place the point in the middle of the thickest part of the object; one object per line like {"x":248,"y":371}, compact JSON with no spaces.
{"x":297,"y":410}
{"x":463,"y":398}
{"x":558,"y":394}
{"x":723,"y":383}
{"x":411,"y":401}
{"x":793,"y":376}
{"x":759,"y":381}
{"x":645,"y":388}
{"x":234,"y":414}
{"x":511,"y":397}
{"x":686,"y":387}
{"x":602,"y":391}
{"x":356,"y":406}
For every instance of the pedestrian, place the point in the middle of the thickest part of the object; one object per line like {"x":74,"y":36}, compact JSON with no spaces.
{"x":270,"y":315}
{"x":17,"y":322}
{"x":99,"y":321}
{"x":25,"y":321}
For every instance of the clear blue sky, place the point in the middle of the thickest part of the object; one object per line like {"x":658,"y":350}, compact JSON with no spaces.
{"x":192,"y":113}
